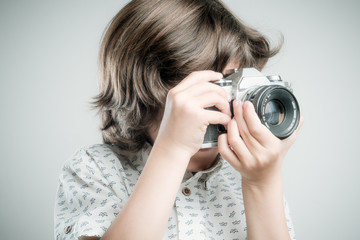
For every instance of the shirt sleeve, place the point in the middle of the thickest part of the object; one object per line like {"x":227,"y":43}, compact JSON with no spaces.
{"x":289,"y":220}
{"x":90,"y":195}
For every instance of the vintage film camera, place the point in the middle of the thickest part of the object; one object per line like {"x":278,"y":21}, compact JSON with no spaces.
{"x":272,"y":98}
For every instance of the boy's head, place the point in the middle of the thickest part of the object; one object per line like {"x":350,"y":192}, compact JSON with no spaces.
{"x":151,"y":45}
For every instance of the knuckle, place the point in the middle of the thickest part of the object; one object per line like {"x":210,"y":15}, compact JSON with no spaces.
{"x":194,"y":74}
{"x":233,"y":140}
{"x":222,"y":104}
{"x":176,"y":97}
{"x":255,"y":131}
{"x":272,"y":154}
{"x":262,"y":160}
{"x":221,"y":118}
{"x":249,"y":165}
{"x":171,"y":93}
{"x":263,"y":163}
{"x":203,"y":127}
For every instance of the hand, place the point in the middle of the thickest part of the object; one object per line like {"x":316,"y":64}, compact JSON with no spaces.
{"x":186,"y":118}
{"x":257,"y":154}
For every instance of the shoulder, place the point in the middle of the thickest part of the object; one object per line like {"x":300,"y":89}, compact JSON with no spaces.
{"x":94,"y":163}
{"x":96,"y":153}
{"x":104,"y":163}
{"x":93,"y":188}
{"x":100,"y":156}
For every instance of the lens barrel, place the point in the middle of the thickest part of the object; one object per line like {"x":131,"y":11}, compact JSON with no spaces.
{"x":274,"y":103}
{"x":277,"y":109}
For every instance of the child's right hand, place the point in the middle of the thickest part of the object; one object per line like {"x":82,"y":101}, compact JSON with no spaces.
{"x":186,"y":118}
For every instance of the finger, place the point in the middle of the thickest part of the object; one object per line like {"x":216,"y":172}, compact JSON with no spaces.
{"x":227,"y":153}
{"x":198,"y":77}
{"x":207,"y":87}
{"x":213,"y":100}
{"x":291,"y":139}
{"x":251,"y":143}
{"x":215,"y":117}
{"x":236,"y":142}
{"x":256,"y":129}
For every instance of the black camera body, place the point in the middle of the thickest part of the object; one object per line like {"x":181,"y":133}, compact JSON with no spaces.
{"x":274,"y":102}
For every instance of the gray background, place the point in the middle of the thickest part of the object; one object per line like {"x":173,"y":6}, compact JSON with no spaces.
{"x":48,"y":57}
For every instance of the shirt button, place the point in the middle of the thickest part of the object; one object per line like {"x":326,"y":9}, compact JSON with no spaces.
{"x":186,"y":191}
{"x":68,"y":229}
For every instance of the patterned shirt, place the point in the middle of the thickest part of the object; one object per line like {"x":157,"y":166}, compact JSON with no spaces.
{"x":96,"y":182}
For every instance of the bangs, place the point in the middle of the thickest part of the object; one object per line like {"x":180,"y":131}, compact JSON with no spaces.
{"x":218,"y":40}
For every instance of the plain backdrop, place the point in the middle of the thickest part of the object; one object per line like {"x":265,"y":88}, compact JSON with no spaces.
{"x":48,"y":74}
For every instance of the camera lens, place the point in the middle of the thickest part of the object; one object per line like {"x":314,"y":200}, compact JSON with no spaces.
{"x":277,"y":109}
{"x":274,"y":112}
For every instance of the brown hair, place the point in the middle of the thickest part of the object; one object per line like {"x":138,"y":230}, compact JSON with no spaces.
{"x":151,"y":45}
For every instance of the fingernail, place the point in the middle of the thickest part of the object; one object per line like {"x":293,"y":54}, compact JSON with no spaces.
{"x":247,"y":104}
{"x":244,"y":105}
{"x":237,"y":103}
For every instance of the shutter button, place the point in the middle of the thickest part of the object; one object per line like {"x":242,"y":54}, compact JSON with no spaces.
{"x":186,"y":191}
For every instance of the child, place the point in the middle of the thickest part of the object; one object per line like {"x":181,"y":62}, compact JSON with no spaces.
{"x":150,"y":179}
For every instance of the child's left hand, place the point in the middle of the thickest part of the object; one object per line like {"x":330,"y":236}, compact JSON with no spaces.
{"x":257,"y":154}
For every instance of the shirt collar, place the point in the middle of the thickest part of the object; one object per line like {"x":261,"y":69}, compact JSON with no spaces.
{"x":134,"y":160}
{"x":137,"y":161}
{"x":204,"y":176}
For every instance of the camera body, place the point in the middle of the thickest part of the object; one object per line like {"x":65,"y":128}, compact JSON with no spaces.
{"x":273,"y":100}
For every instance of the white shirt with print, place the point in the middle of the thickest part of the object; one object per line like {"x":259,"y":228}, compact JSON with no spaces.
{"x":96,"y":182}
